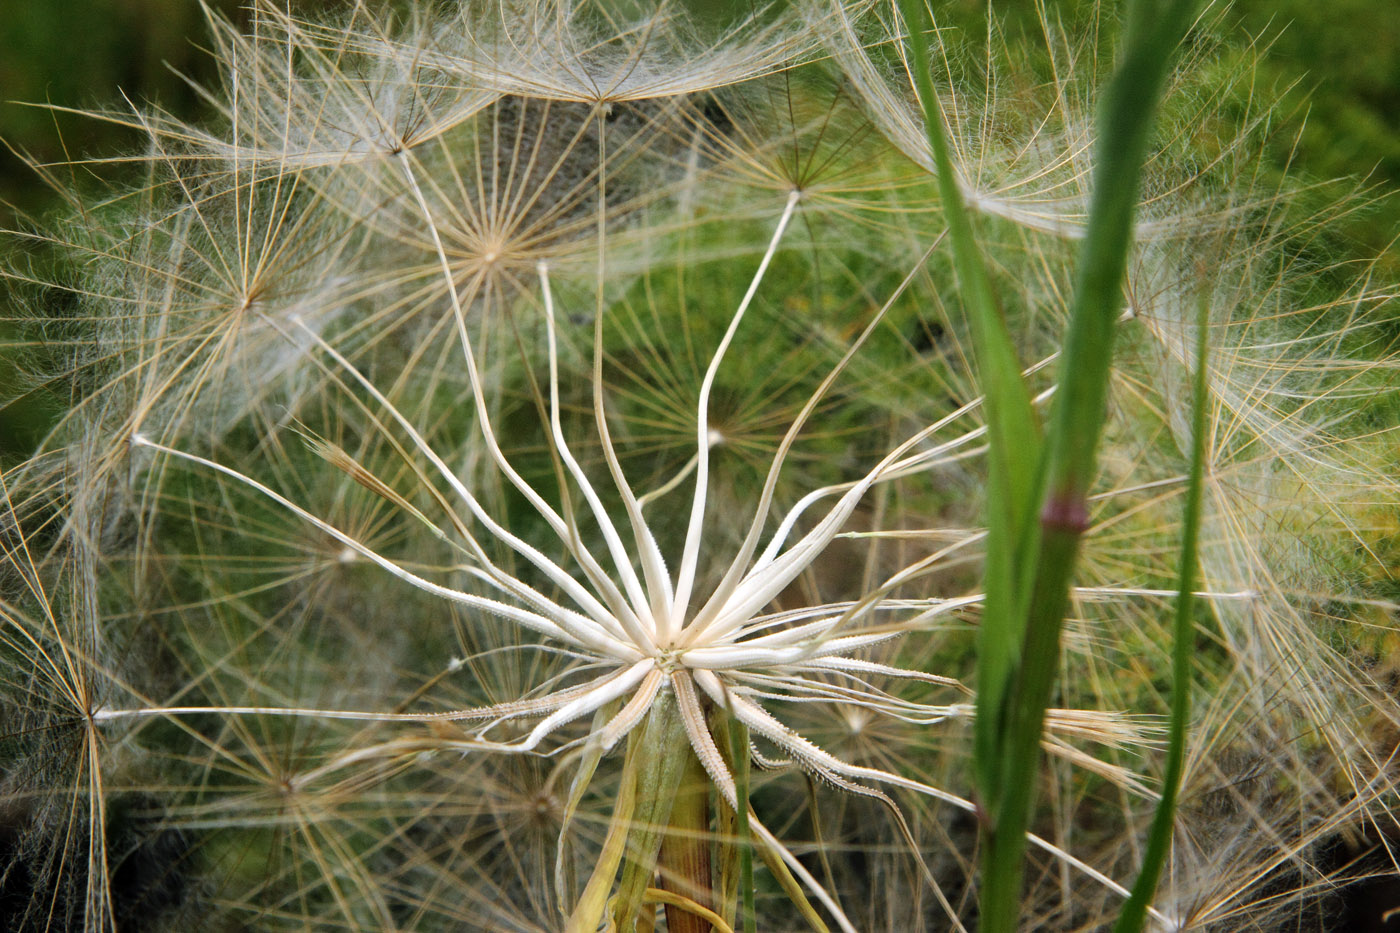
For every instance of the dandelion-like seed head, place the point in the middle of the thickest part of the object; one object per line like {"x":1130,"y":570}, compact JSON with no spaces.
{"x":509,"y":424}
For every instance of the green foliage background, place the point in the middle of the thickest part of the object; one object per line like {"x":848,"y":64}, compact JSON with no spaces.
{"x":1337,"y":65}
{"x":1341,"y":59}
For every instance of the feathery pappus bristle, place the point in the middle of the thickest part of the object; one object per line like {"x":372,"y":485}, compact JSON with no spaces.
{"x":522,"y":461}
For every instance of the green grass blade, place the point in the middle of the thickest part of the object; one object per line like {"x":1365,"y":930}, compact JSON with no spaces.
{"x":1153,"y":30}
{"x":1013,"y":430}
{"x":739,"y":764}
{"x":1011,"y":421}
{"x":1134,"y":913}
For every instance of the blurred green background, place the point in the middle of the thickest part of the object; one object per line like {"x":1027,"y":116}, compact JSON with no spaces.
{"x":77,"y":53}
{"x":1341,"y":60}
{"x":1344,"y":56}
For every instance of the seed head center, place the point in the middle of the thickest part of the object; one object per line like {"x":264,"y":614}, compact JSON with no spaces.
{"x":671,"y":659}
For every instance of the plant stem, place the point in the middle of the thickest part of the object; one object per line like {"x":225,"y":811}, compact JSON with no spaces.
{"x":739,"y":766}
{"x":1152,"y":31}
{"x":1013,"y":430}
{"x":662,"y":750}
{"x":684,"y":862}
{"x":592,"y":904}
{"x":1160,"y":836}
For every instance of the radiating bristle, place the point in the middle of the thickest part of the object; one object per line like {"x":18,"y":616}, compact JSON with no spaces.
{"x":490,"y":389}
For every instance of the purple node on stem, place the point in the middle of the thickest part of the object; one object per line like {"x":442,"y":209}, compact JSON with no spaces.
{"x":1065,"y":512}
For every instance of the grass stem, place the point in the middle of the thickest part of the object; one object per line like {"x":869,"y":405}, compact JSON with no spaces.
{"x":1029,"y":566}
{"x":1159,"y":838}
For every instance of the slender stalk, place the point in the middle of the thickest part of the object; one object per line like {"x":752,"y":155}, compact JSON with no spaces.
{"x":739,"y":765}
{"x":1013,"y":431}
{"x":1152,"y":31}
{"x":684,"y":863}
{"x":1159,"y":838}
{"x":684,"y":906}
{"x":660,"y":766}
{"x":588,"y":912}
